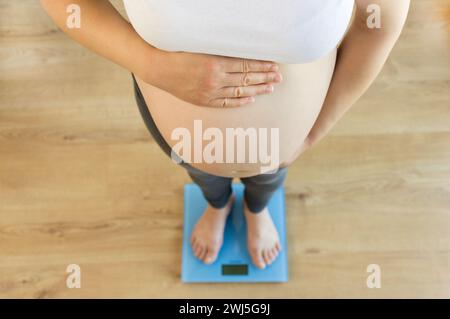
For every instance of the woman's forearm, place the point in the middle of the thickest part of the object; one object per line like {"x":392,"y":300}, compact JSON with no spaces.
{"x":361,"y":57}
{"x":104,"y":31}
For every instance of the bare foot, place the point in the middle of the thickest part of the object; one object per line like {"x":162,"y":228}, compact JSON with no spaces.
{"x":262,"y":237}
{"x":207,"y":237}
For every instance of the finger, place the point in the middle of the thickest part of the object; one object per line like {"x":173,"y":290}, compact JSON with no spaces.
{"x":245,"y":91}
{"x":245,"y":65}
{"x":251,"y":78}
{"x":231,"y":102}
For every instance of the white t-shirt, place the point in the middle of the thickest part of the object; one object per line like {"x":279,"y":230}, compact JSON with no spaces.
{"x":284,"y":31}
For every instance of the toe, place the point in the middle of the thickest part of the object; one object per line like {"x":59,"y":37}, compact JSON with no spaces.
{"x":204,"y":254}
{"x":278,"y":246}
{"x":274,"y":253}
{"x":270,"y":256}
{"x":266,"y":256}
{"x":257,"y":258}
{"x":198,"y":251}
{"x":211,"y":255}
{"x":209,"y":259}
{"x":195,"y":247}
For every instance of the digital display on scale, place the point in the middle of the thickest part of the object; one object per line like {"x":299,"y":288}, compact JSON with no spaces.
{"x":241,"y":269}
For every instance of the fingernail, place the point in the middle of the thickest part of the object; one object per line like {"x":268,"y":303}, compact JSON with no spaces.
{"x":251,"y":99}
{"x":269,"y":89}
{"x":274,"y":67}
{"x":278,"y":78}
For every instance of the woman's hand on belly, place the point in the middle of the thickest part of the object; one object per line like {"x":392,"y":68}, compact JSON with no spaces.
{"x":214,"y":81}
{"x":289,"y":113}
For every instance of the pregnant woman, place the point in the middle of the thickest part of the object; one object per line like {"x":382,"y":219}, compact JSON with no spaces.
{"x":292,"y":68}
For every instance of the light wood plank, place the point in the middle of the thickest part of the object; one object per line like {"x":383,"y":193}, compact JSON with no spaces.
{"x":81,"y":181}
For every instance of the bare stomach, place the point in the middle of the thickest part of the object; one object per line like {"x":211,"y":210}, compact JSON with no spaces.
{"x":271,"y":130}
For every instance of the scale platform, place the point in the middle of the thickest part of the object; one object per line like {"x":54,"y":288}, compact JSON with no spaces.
{"x":233,"y":263}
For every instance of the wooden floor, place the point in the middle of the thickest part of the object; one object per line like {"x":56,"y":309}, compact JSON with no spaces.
{"x":82,"y":182}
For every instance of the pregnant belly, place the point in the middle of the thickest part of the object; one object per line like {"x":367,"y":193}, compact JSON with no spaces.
{"x":245,"y":141}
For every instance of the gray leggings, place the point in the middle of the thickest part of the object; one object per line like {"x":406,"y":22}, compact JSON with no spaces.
{"x":217,"y":189}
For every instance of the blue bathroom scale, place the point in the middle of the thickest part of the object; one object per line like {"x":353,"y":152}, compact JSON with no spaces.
{"x":233,"y":263}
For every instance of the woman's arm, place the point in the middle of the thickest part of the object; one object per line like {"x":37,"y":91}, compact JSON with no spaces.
{"x":361,"y":57}
{"x":104,"y":31}
{"x":201,"y":79}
